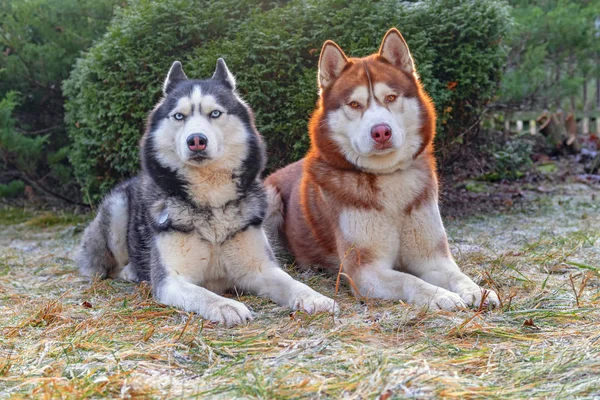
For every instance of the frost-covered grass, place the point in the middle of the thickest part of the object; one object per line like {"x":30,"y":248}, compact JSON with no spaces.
{"x":65,"y":337}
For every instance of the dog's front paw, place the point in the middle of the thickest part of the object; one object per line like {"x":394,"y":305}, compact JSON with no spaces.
{"x":441,"y":299}
{"x":473,"y":296}
{"x":314,"y":302}
{"x":229,"y":313}
{"x":128,"y":273}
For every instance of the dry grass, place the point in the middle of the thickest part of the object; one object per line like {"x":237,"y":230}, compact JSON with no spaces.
{"x":64,"y":337}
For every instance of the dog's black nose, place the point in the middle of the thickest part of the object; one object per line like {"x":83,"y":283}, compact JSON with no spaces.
{"x":197,"y":142}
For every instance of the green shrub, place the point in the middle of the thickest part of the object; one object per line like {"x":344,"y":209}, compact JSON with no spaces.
{"x":553,"y":55}
{"x":510,"y":160}
{"x":16,"y":149}
{"x":273,"y":49}
{"x":39,"y":42}
{"x":12,"y":189}
{"x":22,"y":151}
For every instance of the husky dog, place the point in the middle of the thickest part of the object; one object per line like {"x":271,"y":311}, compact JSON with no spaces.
{"x":191,"y":221}
{"x":366,"y":194}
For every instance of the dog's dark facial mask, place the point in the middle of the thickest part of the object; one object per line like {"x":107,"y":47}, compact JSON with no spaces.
{"x":202,"y":124}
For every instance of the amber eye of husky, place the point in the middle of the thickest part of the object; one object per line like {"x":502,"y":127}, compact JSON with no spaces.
{"x":391,"y":98}
{"x":354,"y":104}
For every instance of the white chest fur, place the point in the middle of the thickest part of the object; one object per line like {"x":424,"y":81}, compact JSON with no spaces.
{"x":382,"y":230}
{"x":399,"y":189}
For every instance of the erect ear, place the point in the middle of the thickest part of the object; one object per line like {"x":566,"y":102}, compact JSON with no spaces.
{"x":174,"y":76}
{"x":395,"y":50}
{"x":331,"y":63}
{"x":222,"y":74}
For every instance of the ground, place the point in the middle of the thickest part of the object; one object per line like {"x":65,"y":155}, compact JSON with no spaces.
{"x":64,"y":336}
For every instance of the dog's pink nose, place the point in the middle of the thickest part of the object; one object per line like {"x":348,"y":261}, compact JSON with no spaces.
{"x":197,"y":142}
{"x":381,"y":133}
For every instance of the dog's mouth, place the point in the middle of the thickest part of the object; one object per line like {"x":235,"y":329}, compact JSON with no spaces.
{"x":380,"y":147}
{"x":197,"y":159}
{"x":375,"y":149}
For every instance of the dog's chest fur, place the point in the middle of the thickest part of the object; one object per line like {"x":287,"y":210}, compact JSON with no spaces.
{"x":399,"y":191}
{"x":396,"y":197}
{"x":212,"y":189}
{"x":214,"y":225}
{"x":185,"y":231}
{"x":391,"y":195}
{"x":215,"y":209}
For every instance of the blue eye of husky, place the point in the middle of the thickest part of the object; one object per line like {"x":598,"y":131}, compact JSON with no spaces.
{"x":178,"y":116}
{"x":215,"y":114}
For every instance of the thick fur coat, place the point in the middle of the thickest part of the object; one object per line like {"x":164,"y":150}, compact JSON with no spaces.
{"x":191,"y":222}
{"x":365,"y":197}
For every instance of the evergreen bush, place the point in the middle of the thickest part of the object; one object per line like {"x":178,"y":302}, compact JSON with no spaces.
{"x":39,"y":42}
{"x":273,"y":49}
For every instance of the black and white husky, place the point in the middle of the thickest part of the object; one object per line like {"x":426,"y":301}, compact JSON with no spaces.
{"x":191,"y":222}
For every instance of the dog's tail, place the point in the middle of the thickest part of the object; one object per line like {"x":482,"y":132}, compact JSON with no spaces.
{"x":274,"y":217}
{"x":103,"y":248}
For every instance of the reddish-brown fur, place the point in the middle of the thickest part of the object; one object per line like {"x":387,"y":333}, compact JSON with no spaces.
{"x":310,"y":221}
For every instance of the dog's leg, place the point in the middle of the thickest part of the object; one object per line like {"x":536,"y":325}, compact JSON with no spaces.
{"x":376,"y":280}
{"x":368,"y":245}
{"x":103,"y":251}
{"x":128,"y":273}
{"x":178,"y":292}
{"x":274,"y":215}
{"x":251,"y":262}
{"x":181,"y":262}
{"x":426,"y":254}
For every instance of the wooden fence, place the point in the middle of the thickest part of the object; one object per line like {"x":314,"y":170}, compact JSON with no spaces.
{"x":585,"y":125}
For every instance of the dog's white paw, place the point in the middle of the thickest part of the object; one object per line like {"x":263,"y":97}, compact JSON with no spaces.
{"x":473,"y":295}
{"x":229,"y":313}
{"x":441,"y":299}
{"x":314,"y":302}
{"x":128,"y":273}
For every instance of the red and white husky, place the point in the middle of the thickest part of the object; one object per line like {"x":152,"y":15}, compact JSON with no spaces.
{"x":366,"y":194}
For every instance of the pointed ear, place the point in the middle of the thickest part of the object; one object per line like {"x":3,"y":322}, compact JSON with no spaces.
{"x":395,"y":50}
{"x":331,"y":63}
{"x":174,"y":76}
{"x":222,"y":74}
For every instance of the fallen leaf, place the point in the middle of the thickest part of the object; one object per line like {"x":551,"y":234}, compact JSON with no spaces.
{"x":148,"y":334}
{"x":530,"y":324}
{"x":385,"y":395}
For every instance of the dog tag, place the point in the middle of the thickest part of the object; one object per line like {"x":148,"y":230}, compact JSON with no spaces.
{"x":163,"y":217}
